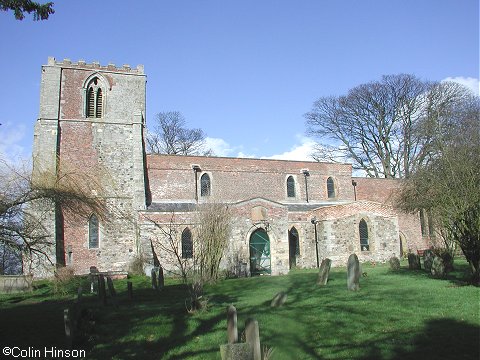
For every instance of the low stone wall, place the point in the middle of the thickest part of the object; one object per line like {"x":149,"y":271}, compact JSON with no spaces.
{"x":15,"y":283}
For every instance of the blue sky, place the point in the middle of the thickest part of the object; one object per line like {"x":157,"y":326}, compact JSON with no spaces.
{"x":245,"y":71}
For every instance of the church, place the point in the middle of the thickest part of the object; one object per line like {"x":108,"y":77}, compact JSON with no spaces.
{"x":284,"y":214}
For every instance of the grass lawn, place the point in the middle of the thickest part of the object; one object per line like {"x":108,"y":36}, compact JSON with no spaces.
{"x":401,"y":315}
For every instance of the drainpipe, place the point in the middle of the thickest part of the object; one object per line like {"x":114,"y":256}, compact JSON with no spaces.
{"x":354,"y":183}
{"x":314,"y":221}
{"x":196,"y":169}
{"x":306,"y":174}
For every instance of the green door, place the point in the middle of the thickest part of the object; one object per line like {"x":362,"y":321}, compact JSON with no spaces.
{"x":260,"y":253}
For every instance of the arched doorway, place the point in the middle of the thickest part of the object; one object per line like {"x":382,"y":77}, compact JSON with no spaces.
{"x":260,"y":253}
{"x":293,"y":247}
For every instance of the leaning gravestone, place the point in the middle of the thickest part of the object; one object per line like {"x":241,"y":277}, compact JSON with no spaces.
{"x":154,"y":279}
{"x":414,"y":262}
{"x":353,"y":273}
{"x":428,"y":256}
{"x":394,"y":263}
{"x":324,"y":272}
{"x":279,"y":299}
{"x":438,"y":269}
{"x":161,"y":278}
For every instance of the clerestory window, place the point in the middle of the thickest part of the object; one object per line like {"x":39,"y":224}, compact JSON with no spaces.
{"x":205,"y":185}
{"x":290,"y":187}
{"x":330,"y":188}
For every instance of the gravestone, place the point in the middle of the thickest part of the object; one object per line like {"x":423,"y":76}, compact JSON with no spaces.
{"x":353,"y":273}
{"x":93,"y":279}
{"x":102,"y":293}
{"x":154,"y":279}
{"x":438,"y":269}
{"x":112,"y":291}
{"x":428,"y":256}
{"x":69,"y":330}
{"x":252,"y":337}
{"x":279,"y":299}
{"x":324,"y":272}
{"x":394,"y":263}
{"x":414,"y":262}
{"x":161,"y":278}
{"x":237,"y":351}
{"x":232,"y":331}
{"x":79,"y":294}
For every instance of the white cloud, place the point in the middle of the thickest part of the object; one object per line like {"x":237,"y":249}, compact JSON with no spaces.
{"x":11,"y":148}
{"x":219,"y":146}
{"x":301,"y":152}
{"x":470,"y":82}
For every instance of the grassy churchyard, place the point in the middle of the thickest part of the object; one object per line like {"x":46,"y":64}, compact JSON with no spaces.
{"x":395,"y":315}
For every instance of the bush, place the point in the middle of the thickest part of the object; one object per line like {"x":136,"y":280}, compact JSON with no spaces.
{"x":65,"y":282}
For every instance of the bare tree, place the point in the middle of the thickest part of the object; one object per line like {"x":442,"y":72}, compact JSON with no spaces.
{"x":170,"y":136}
{"x":21,"y":226}
{"x":448,"y":187}
{"x":167,"y":241}
{"x":381,"y":126}
{"x":211,"y":240}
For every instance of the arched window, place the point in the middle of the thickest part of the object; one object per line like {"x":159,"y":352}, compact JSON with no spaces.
{"x":94,"y":105}
{"x":294,"y":241}
{"x":330,"y":188}
{"x":187,"y":244}
{"x":363,"y":231}
{"x":205,"y":186}
{"x":290,"y":187}
{"x":93,"y":232}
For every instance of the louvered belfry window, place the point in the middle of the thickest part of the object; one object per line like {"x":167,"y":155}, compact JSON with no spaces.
{"x":94,"y":108}
{"x":363,"y":230}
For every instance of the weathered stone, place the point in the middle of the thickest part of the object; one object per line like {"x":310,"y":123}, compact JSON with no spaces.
{"x":438,"y":269}
{"x":238,"y":351}
{"x":69,"y":328}
{"x":394,"y":263}
{"x":428,"y":256}
{"x":79,"y":294}
{"x":324,"y":272}
{"x":102,"y":293}
{"x":252,"y":336}
{"x":161,"y":278}
{"x":279,"y":299}
{"x":414,"y":262}
{"x":353,"y":273}
{"x":232,"y":331}
{"x":154,"y":279}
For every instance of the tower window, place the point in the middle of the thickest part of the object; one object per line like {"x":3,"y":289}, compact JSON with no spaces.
{"x":205,"y":186}
{"x":187,"y":244}
{"x":363,"y":230}
{"x":290,"y":187}
{"x":330,"y":188}
{"x":93,"y":232}
{"x":94,"y":100}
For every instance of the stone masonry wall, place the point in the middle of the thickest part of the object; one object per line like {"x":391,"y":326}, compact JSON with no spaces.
{"x":105,"y":154}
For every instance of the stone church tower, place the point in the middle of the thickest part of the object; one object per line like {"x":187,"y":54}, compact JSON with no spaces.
{"x":91,"y":122}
